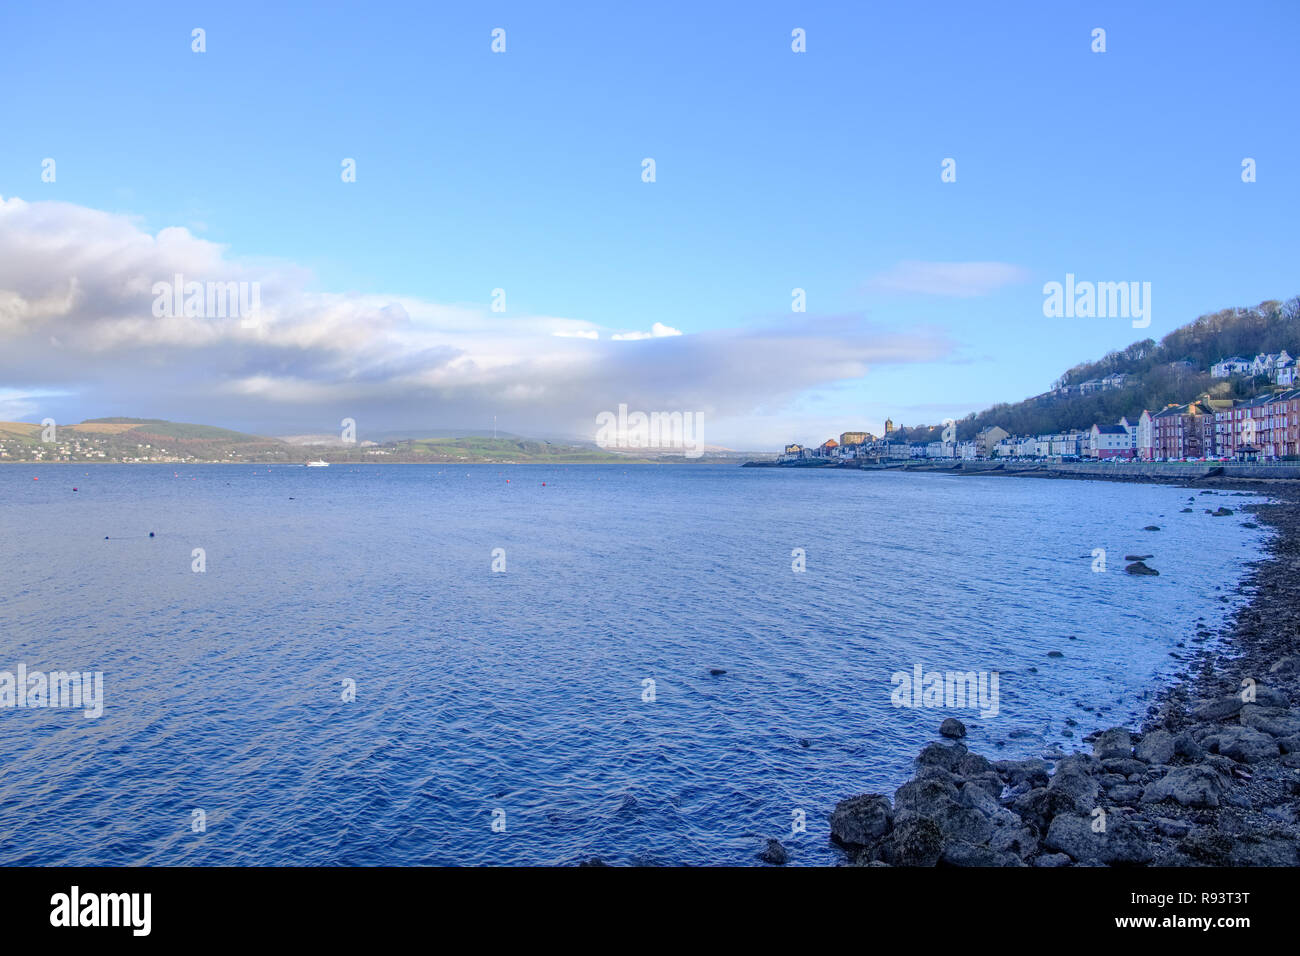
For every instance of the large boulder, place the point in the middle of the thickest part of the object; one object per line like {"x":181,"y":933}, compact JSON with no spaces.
{"x":1219,"y":708}
{"x":962,"y":824}
{"x":1124,"y":766}
{"x":773,"y":852}
{"x":925,"y":795}
{"x":1156,"y":747}
{"x":1186,"y":745}
{"x":1116,"y":742}
{"x":861,"y":821}
{"x":973,"y":765}
{"x":1015,"y":772}
{"x":1079,"y":787}
{"x":1119,"y":843}
{"x":989,"y":782}
{"x":947,"y":756}
{"x":1242,"y":744}
{"x":1192,"y":786}
{"x":1019,"y":840}
{"x":1274,"y":721}
{"x":952,"y":728}
{"x":1040,"y":805}
{"x":914,"y":841}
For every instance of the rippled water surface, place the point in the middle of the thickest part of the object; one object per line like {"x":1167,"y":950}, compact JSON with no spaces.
{"x":522,"y":691}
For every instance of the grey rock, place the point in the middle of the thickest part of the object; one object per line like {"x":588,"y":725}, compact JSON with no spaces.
{"x":1052,"y":860}
{"x":967,"y":854}
{"x":862,"y":820}
{"x":1126,"y":794}
{"x":1218,"y":709}
{"x":1172,"y":828}
{"x":973,"y":765}
{"x":953,"y":728}
{"x":1274,"y":721}
{"x":1039,"y":806}
{"x":1290,"y":664}
{"x":914,"y":841}
{"x":1014,"y":839}
{"x":1193,"y":786}
{"x":1081,"y":788}
{"x":773,"y":852}
{"x":947,"y":756}
{"x":1015,"y":772}
{"x":1121,"y":843}
{"x":962,"y":824}
{"x":1243,"y":744}
{"x":989,"y":782}
{"x":1156,"y":747}
{"x":1115,"y":742}
{"x":925,"y":796}
{"x":1125,"y":766}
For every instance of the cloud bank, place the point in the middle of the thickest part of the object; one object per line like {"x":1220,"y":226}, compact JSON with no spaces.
{"x":79,"y":336}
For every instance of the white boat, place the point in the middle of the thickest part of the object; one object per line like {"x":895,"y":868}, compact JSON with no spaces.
{"x":318,"y":464}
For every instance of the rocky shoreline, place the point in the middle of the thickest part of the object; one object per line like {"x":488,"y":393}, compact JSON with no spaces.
{"x":1212,"y":778}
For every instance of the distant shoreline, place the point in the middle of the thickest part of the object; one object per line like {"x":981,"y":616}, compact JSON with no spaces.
{"x":367,"y":464}
{"x":1148,"y":472}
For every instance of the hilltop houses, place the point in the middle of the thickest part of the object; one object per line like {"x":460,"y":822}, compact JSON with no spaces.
{"x":1278,"y":366}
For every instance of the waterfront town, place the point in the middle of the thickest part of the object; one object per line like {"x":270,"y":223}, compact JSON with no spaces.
{"x":1263,"y":428}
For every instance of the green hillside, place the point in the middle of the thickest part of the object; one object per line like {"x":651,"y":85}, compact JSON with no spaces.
{"x":1174,"y":370}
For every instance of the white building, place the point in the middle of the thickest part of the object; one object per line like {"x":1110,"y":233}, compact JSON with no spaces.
{"x":1146,"y":437}
{"x":1230,"y":366}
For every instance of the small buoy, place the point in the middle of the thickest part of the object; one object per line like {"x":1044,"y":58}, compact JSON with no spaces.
{"x":543,"y":484}
{"x":34,"y":478}
{"x":151,"y":534}
{"x":74,"y":489}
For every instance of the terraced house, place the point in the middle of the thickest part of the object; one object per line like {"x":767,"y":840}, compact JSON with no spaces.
{"x":1185,"y":431}
{"x":1267,"y":426}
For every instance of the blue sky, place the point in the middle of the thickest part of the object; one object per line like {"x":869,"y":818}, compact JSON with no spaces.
{"x":775,"y":170}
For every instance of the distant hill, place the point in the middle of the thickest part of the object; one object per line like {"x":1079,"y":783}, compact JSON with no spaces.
{"x":156,"y":439}
{"x":1174,"y":370}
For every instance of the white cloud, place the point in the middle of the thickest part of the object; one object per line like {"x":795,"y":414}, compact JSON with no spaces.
{"x":83,"y":278}
{"x":958,"y":279}
{"x":657,"y":331}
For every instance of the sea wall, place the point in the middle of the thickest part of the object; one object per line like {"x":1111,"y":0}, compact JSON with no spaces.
{"x":1186,"y":471}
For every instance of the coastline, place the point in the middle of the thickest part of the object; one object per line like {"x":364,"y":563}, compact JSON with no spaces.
{"x":1210,"y":778}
